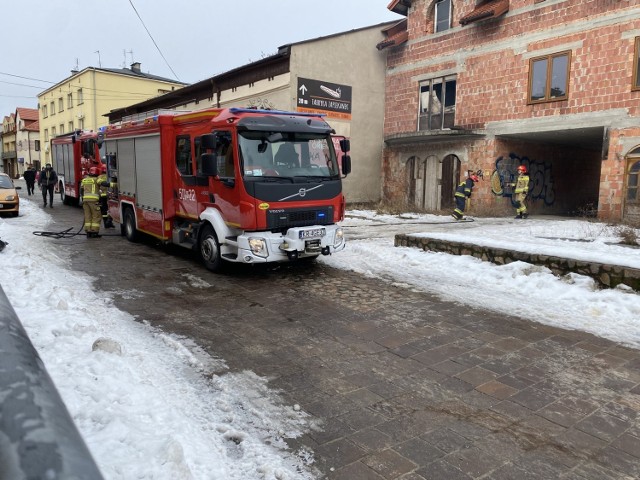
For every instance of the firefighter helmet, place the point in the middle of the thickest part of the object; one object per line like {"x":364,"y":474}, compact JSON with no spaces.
{"x":474,"y":177}
{"x":522,"y":169}
{"x":93,"y":171}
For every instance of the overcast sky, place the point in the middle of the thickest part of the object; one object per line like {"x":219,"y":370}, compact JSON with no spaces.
{"x":44,"y":40}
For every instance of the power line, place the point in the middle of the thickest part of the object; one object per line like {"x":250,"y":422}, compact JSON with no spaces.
{"x":26,"y":78}
{"x":154,"y":42}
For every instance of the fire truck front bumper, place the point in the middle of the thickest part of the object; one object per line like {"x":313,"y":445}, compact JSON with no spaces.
{"x":297,"y":242}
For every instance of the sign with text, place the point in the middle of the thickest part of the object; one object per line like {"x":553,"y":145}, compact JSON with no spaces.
{"x":332,"y":99}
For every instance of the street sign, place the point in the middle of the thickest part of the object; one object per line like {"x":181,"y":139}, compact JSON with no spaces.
{"x":332,"y":99}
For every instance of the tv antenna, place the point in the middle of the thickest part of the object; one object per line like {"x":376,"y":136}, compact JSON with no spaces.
{"x":99,"y":62}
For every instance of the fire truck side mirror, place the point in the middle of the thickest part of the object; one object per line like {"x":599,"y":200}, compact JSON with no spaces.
{"x":209,"y":164}
{"x":346,"y":165}
{"x":208,"y":141}
{"x":345,"y":145}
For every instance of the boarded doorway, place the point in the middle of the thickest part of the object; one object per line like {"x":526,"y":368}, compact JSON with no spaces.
{"x":449,"y":180}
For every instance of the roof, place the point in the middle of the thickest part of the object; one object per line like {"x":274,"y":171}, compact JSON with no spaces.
{"x":27,"y":113}
{"x":396,"y":35}
{"x":133,"y":73}
{"x":400,"y":7}
{"x":33,"y":126}
{"x":487,"y":9}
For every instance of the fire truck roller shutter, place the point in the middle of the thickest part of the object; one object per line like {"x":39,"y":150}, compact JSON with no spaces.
{"x":148,"y":173}
{"x":126,"y":166}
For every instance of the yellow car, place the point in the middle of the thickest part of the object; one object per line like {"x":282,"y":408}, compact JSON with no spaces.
{"x":9,"y":199}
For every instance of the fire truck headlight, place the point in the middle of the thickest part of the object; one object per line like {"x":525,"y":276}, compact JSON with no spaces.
{"x":258,"y":246}
{"x":339,"y":238}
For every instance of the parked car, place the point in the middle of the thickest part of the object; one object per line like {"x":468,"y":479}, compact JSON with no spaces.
{"x":9,"y":199}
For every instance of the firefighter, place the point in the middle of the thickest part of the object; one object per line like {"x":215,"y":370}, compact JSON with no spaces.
{"x":463,"y":191}
{"x":520,"y":192}
{"x":103,"y":183}
{"x":91,"y":203}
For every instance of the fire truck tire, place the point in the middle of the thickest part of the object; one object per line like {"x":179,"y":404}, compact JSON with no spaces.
{"x":129,"y":224}
{"x":209,"y":249}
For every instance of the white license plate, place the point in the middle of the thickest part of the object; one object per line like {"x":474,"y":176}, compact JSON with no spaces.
{"x":313,"y":233}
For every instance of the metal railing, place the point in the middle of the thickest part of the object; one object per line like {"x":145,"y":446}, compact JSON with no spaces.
{"x":38,"y":439}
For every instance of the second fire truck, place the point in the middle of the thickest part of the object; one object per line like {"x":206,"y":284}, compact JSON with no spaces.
{"x":236,"y":185}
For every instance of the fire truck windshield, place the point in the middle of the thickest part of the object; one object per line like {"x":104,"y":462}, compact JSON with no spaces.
{"x":293,"y":155}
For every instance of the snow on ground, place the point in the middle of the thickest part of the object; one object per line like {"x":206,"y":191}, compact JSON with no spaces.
{"x":521,"y":289}
{"x":151,"y":412}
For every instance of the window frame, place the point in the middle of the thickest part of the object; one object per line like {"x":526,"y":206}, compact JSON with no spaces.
{"x":435,"y":16}
{"x":180,"y":160}
{"x":69,"y":100}
{"x":60,"y":105}
{"x":428,"y":112}
{"x":80,"y":96}
{"x":549,"y":76}
{"x":635,"y":85}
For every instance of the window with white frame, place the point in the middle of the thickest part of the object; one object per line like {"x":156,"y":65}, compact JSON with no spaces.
{"x":437,"y":103}
{"x":442,"y":15}
{"x":61,"y":127}
{"x":46,"y":134}
{"x":45,"y":111}
{"x":52,"y":108}
{"x":53,"y":131}
{"x":69,"y":100}
{"x":80,"y":97}
{"x":71,"y":126}
{"x":60,"y":105}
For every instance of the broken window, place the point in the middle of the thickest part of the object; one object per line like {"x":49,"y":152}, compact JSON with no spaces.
{"x":437,"y":103}
{"x":549,"y":77}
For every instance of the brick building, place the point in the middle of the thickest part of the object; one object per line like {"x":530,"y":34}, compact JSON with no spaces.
{"x":489,"y":85}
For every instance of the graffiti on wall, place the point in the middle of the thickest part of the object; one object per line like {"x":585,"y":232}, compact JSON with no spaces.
{"x":540,"y":175}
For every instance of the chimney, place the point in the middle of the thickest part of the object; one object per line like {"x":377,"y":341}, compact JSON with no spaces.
{"x":135,"y":67}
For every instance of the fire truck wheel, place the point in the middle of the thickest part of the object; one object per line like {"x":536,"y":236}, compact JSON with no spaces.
{"x":210,"y":249}
{"x":130,"y":230}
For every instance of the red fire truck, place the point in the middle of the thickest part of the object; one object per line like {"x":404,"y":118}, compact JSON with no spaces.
{"x":71,"y":164}
{"x":236,"y":185}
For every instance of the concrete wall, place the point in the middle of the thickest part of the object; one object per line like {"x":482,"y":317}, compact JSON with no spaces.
{"x":351,"y":58}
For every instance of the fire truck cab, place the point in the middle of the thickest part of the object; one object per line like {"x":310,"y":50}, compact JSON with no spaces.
{"x":237,"y":185}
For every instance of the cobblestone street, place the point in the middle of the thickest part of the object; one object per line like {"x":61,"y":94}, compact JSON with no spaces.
{"x":400,"y":384}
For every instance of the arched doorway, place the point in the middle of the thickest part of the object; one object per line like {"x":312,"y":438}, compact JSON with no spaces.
{"x":449,"y":179}
{"x":631,"y":211}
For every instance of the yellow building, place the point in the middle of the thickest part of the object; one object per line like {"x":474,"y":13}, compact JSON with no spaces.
{"x":80,"y":101}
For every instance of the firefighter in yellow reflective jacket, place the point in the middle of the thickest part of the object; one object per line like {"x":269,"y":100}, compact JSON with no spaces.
{"x":103,"y":183}
{"x":91,"y":203}
{"x":520,"y":192}
{"x":463,"y":191}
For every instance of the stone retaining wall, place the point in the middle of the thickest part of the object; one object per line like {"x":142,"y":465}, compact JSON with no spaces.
{"x":606,"y":275}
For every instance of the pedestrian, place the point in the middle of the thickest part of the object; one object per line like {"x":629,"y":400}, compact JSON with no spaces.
{"x":30,"y":178}
{"x":103,"y":183}
{"x":520,"y":192}
{"x":48,"y":180}
{"x":91,"y":203}
{"x":463,"y":192}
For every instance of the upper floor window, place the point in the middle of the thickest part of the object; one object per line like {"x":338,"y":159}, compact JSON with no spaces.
{"x":60,"y":105}
{"x":52,"y":108}
{"x":71,"y":126}
{"x":45,"y":111}
{"x":80,"y":97}
{"x":636,"y":66}
{"x":46,"y":134}
{"x":81,"y":124}
{"x":61,"y":128}
{"x":442,"y":15}
{"x":437,"y":103}
{"x":549,"y":77}
{"x":53,"y":131}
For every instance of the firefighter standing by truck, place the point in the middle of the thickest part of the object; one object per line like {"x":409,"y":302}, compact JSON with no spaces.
{"x":103,"y":183}
{"x":91,"y":203}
